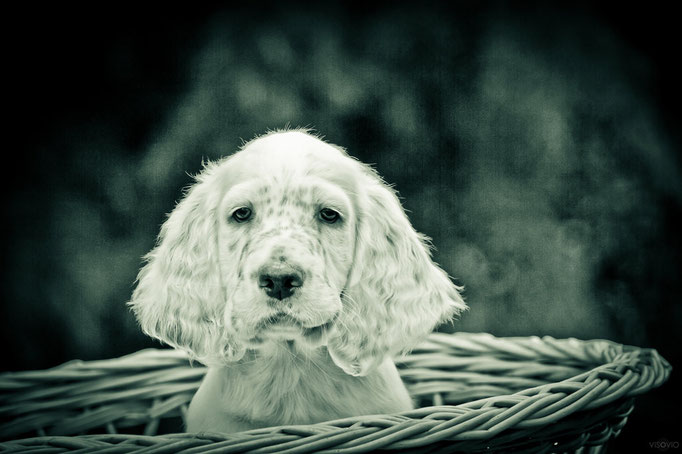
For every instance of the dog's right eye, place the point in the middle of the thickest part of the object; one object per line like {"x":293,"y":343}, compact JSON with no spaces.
{"x":242,"y":214}
{"x":329,"y":216}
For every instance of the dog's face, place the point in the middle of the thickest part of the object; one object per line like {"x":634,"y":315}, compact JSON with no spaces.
{"x":291,"y":239}
{"x":285,"y":246}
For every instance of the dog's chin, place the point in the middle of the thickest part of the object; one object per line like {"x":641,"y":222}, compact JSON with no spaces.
{"x":285,"y":328}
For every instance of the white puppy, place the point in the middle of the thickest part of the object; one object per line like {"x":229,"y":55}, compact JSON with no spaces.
{"x":292,"y":271}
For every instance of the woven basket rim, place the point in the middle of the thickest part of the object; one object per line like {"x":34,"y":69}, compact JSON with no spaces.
{"x":613,"y":375}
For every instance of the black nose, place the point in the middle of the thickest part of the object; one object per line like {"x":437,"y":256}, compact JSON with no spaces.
{"x":280,"y":286}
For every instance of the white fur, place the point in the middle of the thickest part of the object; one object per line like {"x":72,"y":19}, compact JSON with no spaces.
{"x":370,"y":290}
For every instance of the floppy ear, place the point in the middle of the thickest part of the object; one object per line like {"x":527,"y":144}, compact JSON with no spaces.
{"x":395,"y":294}
{"x":179,"y":298}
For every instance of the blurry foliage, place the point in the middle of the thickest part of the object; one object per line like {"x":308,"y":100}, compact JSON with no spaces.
{"x":527,"y":146}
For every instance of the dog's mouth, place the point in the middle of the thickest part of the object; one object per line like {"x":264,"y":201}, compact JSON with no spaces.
{"x":285,"y":327}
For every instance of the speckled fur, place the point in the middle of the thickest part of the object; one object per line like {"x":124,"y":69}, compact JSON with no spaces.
{"x":369,"y":284}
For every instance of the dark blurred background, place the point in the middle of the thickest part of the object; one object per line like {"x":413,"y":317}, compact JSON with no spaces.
{"x":537,"y":146}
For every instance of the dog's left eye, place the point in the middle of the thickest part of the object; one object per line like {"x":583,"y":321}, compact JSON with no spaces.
{"x":242,"y":214}
{"x":329,"y":216}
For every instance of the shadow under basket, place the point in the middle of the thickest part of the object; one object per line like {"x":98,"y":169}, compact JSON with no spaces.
{"x":475,"y":393}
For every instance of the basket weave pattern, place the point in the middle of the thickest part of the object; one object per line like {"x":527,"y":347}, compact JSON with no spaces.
{"x":475,"y":393}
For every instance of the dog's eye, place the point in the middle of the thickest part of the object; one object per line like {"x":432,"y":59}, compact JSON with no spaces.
{"x":329,"y":216}
{"x":242,"y":214}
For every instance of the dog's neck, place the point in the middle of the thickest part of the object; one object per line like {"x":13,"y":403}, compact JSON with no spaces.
{"x":283,"y":383}
{"x":280,"y":370}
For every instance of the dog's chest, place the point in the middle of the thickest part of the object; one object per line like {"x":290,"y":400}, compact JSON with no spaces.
{"x":290,"y":389}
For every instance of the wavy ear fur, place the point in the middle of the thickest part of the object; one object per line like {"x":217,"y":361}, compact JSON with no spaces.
{"x":396,"y":294}
{"x":179,"y":298}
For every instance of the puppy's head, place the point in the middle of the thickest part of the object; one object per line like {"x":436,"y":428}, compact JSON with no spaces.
{"x":291,"y":239}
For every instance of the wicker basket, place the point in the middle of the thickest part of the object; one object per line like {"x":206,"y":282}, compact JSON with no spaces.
{"x":475,"y":392}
